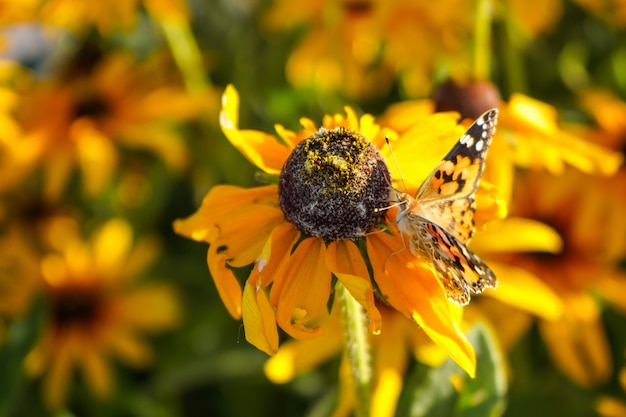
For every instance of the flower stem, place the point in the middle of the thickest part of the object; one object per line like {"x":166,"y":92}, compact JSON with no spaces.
{"x":481,"y":65}
{"x":356,"y":348}
{"x":186,"y":53}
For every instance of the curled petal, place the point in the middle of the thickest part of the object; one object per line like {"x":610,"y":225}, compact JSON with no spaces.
{"x":259,"y":320}
{"x":261,"y":149}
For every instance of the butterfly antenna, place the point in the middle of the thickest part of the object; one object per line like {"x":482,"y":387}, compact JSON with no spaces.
{"x":395,"y":163}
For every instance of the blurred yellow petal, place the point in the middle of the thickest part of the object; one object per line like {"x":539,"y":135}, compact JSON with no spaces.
{"x":112,"y":245}
{"x":96,"y":155}
{"x":127,"y":345}
{"x":578,"y":344}
{"x":297,"y":357}
{"x":390,"y":364}
{"x":151,"y":307}
{"x":528,"y":236}
{"x":346,"y":262}
{"x":538,"y":142}
{"x":261,"y":149}
{"x":56,"y":380}
{"x":97,"y":372}
{"x":520,"y":288}
{"x":610,"y":407}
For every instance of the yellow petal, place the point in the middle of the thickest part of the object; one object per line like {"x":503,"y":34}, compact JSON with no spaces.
{"x":390,"y":364}
{"x":112,"y":245}
{"x":97,"y":372}
{"x":261,"y":149}
{"x":220,"y":204}
{"x":96,"y":155}
{"x":412,"y":289}
{"x":126,"y":344}
{"x":529,"y":236}
{"x":522,"y":289}
{"x":431,"y":138}
{"x":259,"y":320}
{"x":300,"y":292}
{"x":150,"y":308}
{"x":225,"y":281}
{"x":578,"y":346}
{"x":56,"y":380}
{"x":297,"y":357}
{"x":346,"y":262}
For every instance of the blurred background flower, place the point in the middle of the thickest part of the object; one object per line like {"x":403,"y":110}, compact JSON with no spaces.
{"x":110,"y":130}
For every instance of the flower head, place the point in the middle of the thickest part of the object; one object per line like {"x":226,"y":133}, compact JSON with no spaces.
{"x":78,"y":119}
{"x":96,"y":311}
{"x":560,"y":268}
{"x":296,"y":252}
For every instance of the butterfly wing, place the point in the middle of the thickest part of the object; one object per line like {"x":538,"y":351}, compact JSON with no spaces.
{"x":446,"y":197}
{"x":458,"y":268}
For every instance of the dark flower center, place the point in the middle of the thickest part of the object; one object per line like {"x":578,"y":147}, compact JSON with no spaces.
{"x":333,"y":185}
{"x":75,"y":306}
{"x":93,"y":107}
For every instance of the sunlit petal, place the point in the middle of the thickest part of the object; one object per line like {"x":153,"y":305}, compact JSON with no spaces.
{"x":522,"y":289}
{"x":346,"y":262}
{"x":412,"y":289}
{"x":263,"y":150}
{"x":300,"y":292}
{"x":259,"y":319}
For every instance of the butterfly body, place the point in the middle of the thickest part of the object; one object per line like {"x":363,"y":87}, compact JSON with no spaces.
{"x":439,"y":221}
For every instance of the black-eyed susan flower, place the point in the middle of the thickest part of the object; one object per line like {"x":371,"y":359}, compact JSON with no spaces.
{"x":96,"y":310}
{"x":528,"y":134}
{"x":80,"y":118}
{"x":81,"y":15}
{"x":360,"y":47}
{"x":561,"y":268}
{"x":317,"y":223}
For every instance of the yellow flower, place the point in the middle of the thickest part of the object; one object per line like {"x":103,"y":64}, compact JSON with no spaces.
{"x":80,"y":117}
{"x":530,"y":126}
{"x":291,"y":280}
{"x":528,"y":136}
{"x":96,"y":311}
{"x":569,"y":234}
{"x":361,"y":46}
{"x":80,"y":15}
{"x":609,"y":112}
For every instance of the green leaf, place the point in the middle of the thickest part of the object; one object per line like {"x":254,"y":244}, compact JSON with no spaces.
{"x":21,"y":336}
{"x":448,"y":391}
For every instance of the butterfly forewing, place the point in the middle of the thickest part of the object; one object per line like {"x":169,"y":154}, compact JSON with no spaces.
{"x":446,"y":196}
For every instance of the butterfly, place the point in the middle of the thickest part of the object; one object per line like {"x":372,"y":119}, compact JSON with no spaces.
{"x":439,"y":221}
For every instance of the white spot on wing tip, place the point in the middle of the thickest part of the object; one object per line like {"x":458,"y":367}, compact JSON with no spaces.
{"x":479,"y":145}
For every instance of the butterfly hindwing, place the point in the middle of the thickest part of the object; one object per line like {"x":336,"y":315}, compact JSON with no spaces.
{"x":460,"y":269}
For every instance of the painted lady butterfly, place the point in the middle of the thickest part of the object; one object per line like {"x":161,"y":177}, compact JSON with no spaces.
{"x":439,"y":221}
